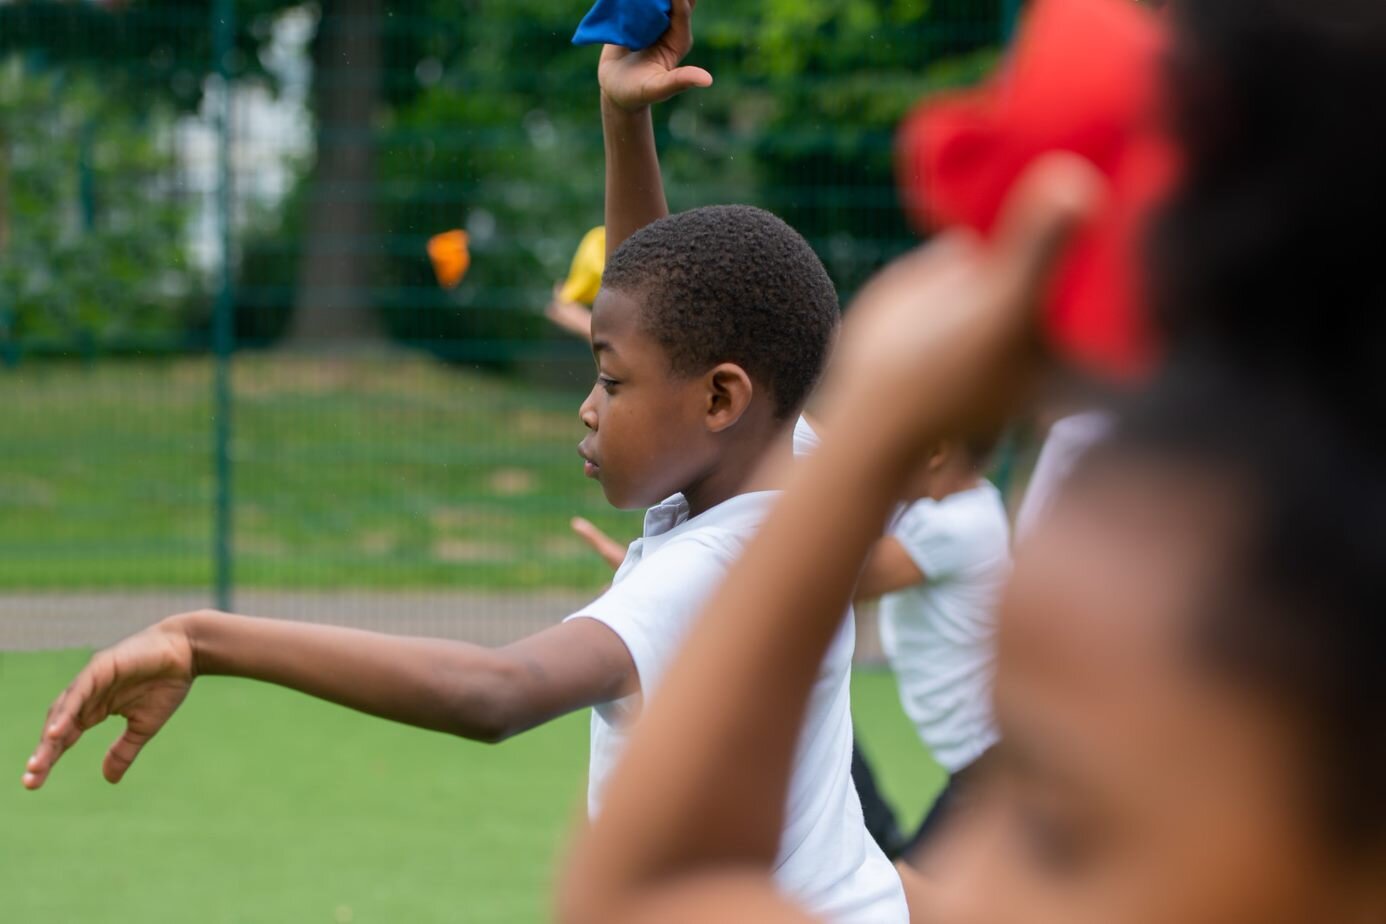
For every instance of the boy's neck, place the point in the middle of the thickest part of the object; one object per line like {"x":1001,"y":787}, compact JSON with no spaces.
{"x":743,"y":470}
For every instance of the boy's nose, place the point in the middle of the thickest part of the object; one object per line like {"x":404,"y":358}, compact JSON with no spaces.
{"x":588,"y":412}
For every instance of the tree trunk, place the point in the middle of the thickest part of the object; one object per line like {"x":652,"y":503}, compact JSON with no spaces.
{"x":337,"y":266}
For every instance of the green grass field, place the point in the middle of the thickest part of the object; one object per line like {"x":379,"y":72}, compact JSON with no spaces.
{"x":258,"y":805}
{"x":388,"y":472}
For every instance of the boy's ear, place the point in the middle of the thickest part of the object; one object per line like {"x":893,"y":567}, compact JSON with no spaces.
{"x":729,"y":393}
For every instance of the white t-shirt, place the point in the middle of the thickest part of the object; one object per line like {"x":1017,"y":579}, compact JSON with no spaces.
{"x":806,"y":441}
{"x":827,"y":860}
{"x":940,"y":635}
{"x":1068,"y":439}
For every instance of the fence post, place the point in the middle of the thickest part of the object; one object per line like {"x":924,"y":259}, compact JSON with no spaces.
{"x":223,"y":327}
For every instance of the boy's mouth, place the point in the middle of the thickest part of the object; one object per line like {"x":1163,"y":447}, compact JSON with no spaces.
{"x":590,"y":467}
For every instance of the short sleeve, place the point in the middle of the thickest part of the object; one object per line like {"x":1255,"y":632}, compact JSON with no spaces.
{"x":955,"y":537}
{"x":653,"y":608}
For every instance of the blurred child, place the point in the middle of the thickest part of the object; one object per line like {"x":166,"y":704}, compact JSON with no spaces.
{"x":938,"y":572}
{"x":571,"y":307}
{"x":710,"y":330}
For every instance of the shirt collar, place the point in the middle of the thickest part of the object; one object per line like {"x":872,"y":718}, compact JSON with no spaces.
{"x":670,"y":517}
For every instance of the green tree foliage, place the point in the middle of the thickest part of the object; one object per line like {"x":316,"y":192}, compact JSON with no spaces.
{"x":92,"y":225}
{"x":139,"y":48}
{"x":486,"y":119}
{"x":825,"y":84}
{"x":503,"y":137}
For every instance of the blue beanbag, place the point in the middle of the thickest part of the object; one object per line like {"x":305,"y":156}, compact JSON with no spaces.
{"x":632,"y":24}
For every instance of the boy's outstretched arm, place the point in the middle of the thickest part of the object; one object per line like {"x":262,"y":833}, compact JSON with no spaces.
{"x":939,"y":342}
{"x":468,"y":690}
{"x":631,"y":82}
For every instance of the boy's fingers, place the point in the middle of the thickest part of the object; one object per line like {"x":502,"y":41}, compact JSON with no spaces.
{"x":57,"y":738}
{"x":667,"y":84}
{"x":680,"y":22}
{"x":63,"y":726}
{"x":1052,"y":199}
{"x":122,"y":754}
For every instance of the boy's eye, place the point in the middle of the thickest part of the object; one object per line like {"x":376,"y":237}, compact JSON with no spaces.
{"x":606,"y":382}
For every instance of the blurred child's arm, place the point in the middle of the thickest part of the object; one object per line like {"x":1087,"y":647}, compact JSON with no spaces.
{"x":632,"y":81}
{"x":467,"y":690}
{"x":611,"y":551}
{"x":938,"y":343}
{"x":888,"y":568}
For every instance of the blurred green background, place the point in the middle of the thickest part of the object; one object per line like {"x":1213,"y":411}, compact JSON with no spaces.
{"x":284,"y":164}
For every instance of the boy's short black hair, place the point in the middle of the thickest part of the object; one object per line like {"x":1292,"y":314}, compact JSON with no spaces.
{"x":732,"y":283}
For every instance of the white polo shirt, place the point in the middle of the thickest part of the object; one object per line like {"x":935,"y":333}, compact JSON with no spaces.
{"x":940,"y":635}
{"x":827,"y":860}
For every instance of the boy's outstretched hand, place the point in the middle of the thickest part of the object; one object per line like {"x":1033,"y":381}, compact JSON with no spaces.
{"x":636,"y":79}
{"x":143,"y":678}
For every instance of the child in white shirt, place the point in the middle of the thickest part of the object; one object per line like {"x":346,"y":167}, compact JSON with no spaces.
{"x":939,"y":572}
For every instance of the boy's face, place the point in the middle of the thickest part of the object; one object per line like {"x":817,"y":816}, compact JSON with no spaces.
{"x":647,"y":436}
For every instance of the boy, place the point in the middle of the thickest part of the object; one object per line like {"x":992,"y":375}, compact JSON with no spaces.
{"x":711,"y":329}
{"x":939,"y":571}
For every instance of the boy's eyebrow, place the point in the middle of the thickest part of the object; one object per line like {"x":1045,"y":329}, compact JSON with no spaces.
{"x":599,"y":345}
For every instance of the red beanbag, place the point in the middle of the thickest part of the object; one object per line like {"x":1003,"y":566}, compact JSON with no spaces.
{"x":1084,"y":76}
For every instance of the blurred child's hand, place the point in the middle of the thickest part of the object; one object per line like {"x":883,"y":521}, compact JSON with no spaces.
{"x":956,"y":319}
{"x":144,"y":678}
{"x":635,"y":79}
{"x":569,"y":316}
{"x":609,"y":549}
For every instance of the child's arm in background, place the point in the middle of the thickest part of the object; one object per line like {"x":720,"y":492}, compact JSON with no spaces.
{"x":468,"y":690}
{"x":632,"y":81}
{"x":687,"y":814}
{"x":888,"y":568}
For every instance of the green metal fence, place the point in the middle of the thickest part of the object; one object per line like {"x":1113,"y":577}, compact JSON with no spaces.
{"x":225,"y":361}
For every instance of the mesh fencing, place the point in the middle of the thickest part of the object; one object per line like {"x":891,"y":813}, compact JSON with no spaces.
{"x":228,"y":370}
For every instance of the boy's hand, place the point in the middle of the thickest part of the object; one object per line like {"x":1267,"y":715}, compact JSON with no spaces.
{"x":632,"y":80}
{"x":609,"y":549}
{"x":569,"y":316}
{"x":144,"y":678}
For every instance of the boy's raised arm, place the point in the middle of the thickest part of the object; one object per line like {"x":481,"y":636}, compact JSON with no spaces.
{"x":455,"y":687}
{"x":631,"y":82}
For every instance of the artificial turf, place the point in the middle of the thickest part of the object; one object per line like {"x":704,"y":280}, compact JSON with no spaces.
{"x":259,"y":805}
{"x":393,"y":471}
